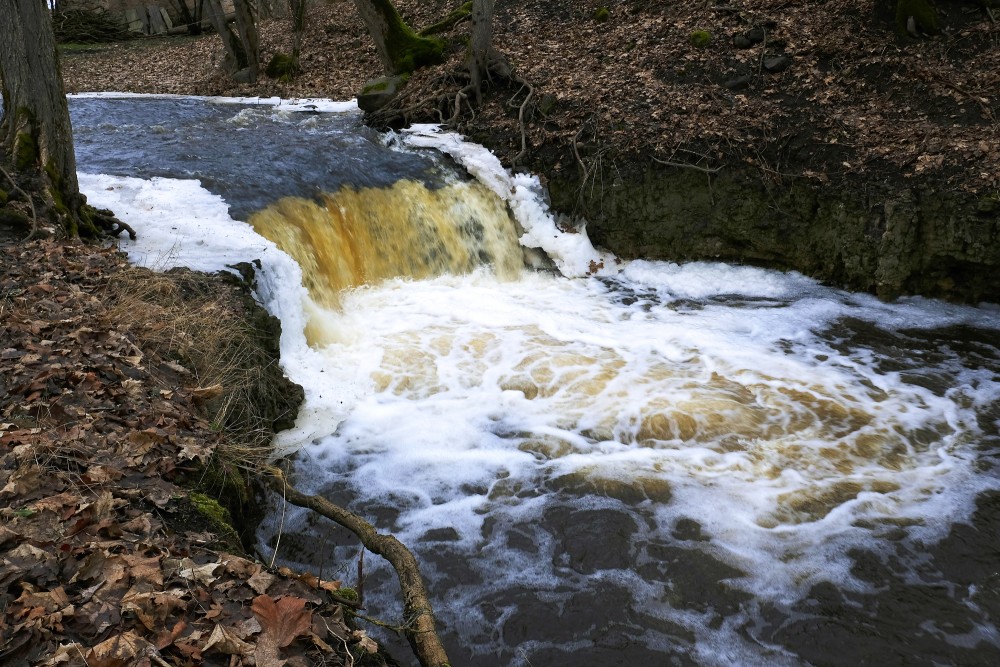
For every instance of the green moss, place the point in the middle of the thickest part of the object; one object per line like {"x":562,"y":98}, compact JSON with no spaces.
{"x":408,"y":50}
{"x":601,"y":14}
{"x":25,"y":151}
{"x":375,"y":87}
{"x":700,"y":39}
{"x":448,"y":22}
{"x":16,"y":219}
{"x":4,"y":197}
{"x":923,"y":13}
{"x":218,"y":516}
{"x":282,"y":67}
{"x":347,"y":594}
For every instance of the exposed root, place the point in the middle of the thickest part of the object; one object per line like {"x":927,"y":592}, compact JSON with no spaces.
{"x":521,"y":122}
{"x":34,"y":215}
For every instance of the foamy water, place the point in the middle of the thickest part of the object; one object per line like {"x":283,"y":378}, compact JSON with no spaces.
{"x":695,"y":445}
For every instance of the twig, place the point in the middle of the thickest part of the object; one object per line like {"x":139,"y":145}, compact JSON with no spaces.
{"x":688,"y":165}
{"x":34,"y":215}
{"x":586,"y":173}
{"x":281,"y":526}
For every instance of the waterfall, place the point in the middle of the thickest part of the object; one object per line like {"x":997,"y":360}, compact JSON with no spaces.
{"x":357,"y":237}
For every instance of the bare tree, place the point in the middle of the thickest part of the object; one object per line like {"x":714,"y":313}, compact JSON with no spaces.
{"x":242,"y":45}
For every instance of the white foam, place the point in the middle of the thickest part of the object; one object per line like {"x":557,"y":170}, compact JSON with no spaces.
{"x":179,"y":223}
{"x":572,"y":251}
{"x":317,"y":105}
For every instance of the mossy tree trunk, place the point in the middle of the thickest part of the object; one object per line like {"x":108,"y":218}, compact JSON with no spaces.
{"x":242,"y":45}
{"x":399,"y":48}
{"x":36,"y":140}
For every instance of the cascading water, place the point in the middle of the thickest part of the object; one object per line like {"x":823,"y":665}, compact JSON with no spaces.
{"x":657,"y":464}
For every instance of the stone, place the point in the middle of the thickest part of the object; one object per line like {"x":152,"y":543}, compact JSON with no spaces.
{"x":741,"y":41}
{"x":156,"y":24}
{"x":755,"y":35}
{"x":739,"y":83}
{"x":775,"y":64}
{"x":379,"y":92}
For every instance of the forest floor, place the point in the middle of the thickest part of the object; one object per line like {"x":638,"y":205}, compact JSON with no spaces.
{"x":107,"y":423}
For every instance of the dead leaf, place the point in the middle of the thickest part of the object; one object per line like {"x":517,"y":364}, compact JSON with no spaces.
{"x":225,"y":641}
{"x":285,"y":619}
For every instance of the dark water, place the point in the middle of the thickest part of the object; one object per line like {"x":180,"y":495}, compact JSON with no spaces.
{"x":249,"y":155}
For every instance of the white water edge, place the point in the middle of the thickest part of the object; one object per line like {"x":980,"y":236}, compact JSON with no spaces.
{"x":458,"y":393}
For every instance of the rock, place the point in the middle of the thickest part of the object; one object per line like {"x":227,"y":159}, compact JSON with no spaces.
{"x":378,"y":92}
{"x":741,"y":41}
{"x":244,"y":75}
{"x":755,"y":35}
{"x":156,"y":24}
{"x":739,"y":83}
{"x":776,"y":64}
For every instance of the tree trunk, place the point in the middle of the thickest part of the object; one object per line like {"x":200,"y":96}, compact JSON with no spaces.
{"x":298,"y":11}
{"x":481,"y":54}
{"x":242,"y":47}
{"x":399,"y":48}
{"x":36,"y":139}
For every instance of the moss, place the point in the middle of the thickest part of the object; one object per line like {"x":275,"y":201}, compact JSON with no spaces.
{"x":25,"y":151}
{"x":408,"y":50}
{"x":601,"y":14}
{"x":217,"y":516}
{"x":282,"y":67}
{"x":448,"y":22}
{"x":375,"y":87}
{"x":700,"y":39}
{"x":923,"y":13}
{"x":347,"y":594}
{"x":4,"y":197}
{"x":15,"y":219}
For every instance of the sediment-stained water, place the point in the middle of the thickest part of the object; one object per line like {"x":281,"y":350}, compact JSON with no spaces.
{"x":698,"y":464}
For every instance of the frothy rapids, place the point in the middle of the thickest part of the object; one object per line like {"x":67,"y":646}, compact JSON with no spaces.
{"x":645,"y":462}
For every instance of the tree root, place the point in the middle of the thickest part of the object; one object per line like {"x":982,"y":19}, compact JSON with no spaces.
{"x":34,"y":214}
{"x":419,"y":616}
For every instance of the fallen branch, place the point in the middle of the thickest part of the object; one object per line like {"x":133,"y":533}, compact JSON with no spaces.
{"x":419,"y":616}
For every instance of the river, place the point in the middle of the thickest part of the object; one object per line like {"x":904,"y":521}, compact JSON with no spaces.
{"x":596,"y":462}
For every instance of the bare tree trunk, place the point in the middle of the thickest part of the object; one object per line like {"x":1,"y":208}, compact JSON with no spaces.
{"x":399,"y":48}
{"x":298,"y":11}
{"x":36,"y":139}
{"x":35,"y":133}
{"x":481,"y":44}
{"x":242,"y":46}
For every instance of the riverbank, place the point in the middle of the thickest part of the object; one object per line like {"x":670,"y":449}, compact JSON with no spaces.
{"x":134,"y":407}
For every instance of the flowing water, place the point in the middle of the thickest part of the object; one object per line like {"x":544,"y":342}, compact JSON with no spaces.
{"x":645,"y":463}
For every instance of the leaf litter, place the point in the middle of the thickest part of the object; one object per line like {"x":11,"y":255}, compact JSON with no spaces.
{"x":100,"y":562}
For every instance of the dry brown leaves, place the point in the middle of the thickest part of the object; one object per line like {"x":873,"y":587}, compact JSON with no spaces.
{"x":95,"y":567}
